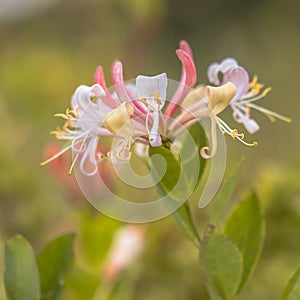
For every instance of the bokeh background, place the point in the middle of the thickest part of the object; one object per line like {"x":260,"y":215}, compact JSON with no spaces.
{"x":49,"y":47}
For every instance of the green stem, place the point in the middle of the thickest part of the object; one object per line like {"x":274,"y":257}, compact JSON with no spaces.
{"x":185,"y":220}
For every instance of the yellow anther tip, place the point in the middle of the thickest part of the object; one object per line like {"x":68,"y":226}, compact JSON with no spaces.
{"x":266,"y":91}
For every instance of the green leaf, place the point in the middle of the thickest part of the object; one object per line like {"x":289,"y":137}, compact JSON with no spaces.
{"x":246,"y":228}
{"x":295,"y":293}
{"x":198,"y":134}
{"x":224,"y":194}
{"x":96,"y":235}
{"x":212,"y":293}
{"x":53,"y":261}
{"x":171,"y":176}
{"x":222,"y":263}
{"x":292,"y":289}
{"x":196,"y":139}
{"x":21,"y":276}
{"x":182,"y":215}
{"x":184,"y":219}
{"x":81,"y":284}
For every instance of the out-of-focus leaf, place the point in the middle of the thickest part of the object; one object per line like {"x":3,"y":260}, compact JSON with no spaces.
{"x":80,"y":284}
{"x":53,"y":261}
{"x":292,"y":289}
{"x":212,"y":293}
{"x":21,"y":276}
{"x":246,"y":228}
{"x":184,"y":219}
{"x":295,"y":293}
{"x":223,"y":264}
{"x":182,"y":215}
{"x":224,"y":194}
{"x":96,"y":234}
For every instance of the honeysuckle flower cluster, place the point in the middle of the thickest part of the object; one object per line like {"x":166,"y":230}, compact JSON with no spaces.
{"x":137,"y":114}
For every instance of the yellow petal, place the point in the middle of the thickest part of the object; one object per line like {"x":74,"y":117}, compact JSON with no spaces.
{"x":219,"y":98}
{"x":193,"y":96}
{"x":118,"y":120}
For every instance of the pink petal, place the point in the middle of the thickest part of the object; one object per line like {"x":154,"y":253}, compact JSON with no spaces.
{"x":121,"y":90}
{"x":100,"y":79}
{"x":119,"y":82}
{"x":188,"y":79}
{"x":189,"y":68}
{"x":240,"y":78}
{"x":184,"y":45}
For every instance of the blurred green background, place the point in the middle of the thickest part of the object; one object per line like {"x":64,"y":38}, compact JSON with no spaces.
{"x":49,"y":47}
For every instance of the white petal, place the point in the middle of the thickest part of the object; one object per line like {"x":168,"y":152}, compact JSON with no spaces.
{"x":212,"y":73}
{"x":83,"y":94}
{"x":250,"y":125}
{"x":223,"y":67}
{"x":90,"y":160}
{"x":228,"y":64}
{"x":147,"y":86}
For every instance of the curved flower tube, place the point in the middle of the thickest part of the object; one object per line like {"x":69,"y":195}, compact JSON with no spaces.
{"x":100,"y":79}
{"x":188,"y":78}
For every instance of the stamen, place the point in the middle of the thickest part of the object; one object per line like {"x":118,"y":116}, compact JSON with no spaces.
{"x":61,"y":115}
{"x":69,"y":114}
{"x":144,"y":101}
{"x":57,"y":133}
{"x":73,"y":164}
{"x":233,"y":132}
{"x":254,"y":144}
{"x":270,"y":114}
{"x":55,"y":155}
{"x":156,"y":97}
{"x":266,"y":91}
{"x":253,"y":82}
{"x":72,"y":112}
{"x":80,"y":150}
{"x":120,"y":149}
{"x":254,"y":89}
{"x":66,"y":125}
{"x":257,"y":88}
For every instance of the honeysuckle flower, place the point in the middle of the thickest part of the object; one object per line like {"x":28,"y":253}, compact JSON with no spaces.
{"x":219,"y":98}
{"x":137,"y":114}
{"x":130,"y":114}
{"x":247,"y":92}
{"x":209,"y":101}
{"x":89,"y":119}
{"x":205,"y":102}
